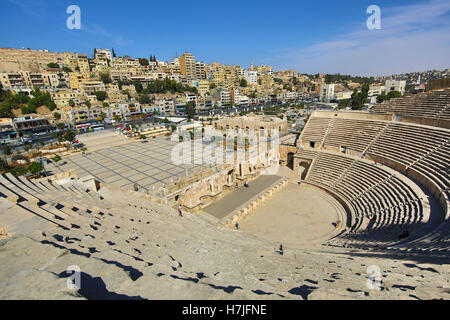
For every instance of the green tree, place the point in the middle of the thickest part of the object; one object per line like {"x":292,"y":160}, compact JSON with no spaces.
{"x":144,"y":99}
{"x":56,"y":115}
{"x":87,"y":103}
{"x":243,"y":83}
{"x":105,"y":104}
{"x":101,"y":95}
{"x":27,"y":146}
{"x":70,"y":136}
{"x":143,"y":62}
{"x":66,"y":69}
{"x":5,"y":110}
{"x":105,"y":78}
{"x":138,"y":86}
{"x":359,"y":98}
{"x":190,"y":109}
{"x":4,"y":94}
{"x":6,"y":149}
{"x":53,"y":65}
{"x":71,"y":103}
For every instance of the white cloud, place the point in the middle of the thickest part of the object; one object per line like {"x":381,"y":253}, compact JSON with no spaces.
{"x":412,"y":38}
{"x":35,"y":8}
{"x":98,"y":30}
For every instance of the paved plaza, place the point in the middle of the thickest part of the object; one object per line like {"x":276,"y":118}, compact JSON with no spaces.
{"x":146,"y":164}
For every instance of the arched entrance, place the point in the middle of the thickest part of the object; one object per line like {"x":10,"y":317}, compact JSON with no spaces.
{"x":290,"y":160}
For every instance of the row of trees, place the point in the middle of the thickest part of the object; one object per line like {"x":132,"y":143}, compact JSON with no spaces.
{"x":389,"y":96}
{"x":334,"y":78}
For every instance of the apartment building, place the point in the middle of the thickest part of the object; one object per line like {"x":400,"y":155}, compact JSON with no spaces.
{"x":29,"y":124}
{"x":202,"y":86}
{"x":114,"y":94}
{"x":129,"y":110}
{"x":74,"y":80}
{"x":395,"y":85}
{"x":224,"y":77}
{"x":7,"y":130}
{"x":191,"y":69}
{"x":13,"y":80}
{"x":118,"y":73}
{"x":62,"y":97}
{"x":376,"y":90}
{"x":191,"y":97}
{"x":344,"y":95}
{"x":264,"y":70}
{"x":70,"y":60}
{"x":91,"y":86}
{"x":103,"y":53}
{"x":166,"y":106}
{"x":251,"y":76}
{"x":327,"y":92}
{"x":83,"y":63}
{"x":222,"y":96}
{"x":25,"y":79}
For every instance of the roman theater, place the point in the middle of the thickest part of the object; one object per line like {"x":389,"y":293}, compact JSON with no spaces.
{"x":355,"y":206}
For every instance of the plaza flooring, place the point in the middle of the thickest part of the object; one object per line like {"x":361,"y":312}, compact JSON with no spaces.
{"x":146,"y":164}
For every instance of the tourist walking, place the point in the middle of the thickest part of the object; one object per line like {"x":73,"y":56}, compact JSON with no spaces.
{"x":179,"y":210}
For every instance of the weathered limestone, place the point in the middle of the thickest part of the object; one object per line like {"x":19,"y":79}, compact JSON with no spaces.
{"x":244,"y":210}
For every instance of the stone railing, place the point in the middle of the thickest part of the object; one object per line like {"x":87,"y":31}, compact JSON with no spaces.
{"x":245,"y":209}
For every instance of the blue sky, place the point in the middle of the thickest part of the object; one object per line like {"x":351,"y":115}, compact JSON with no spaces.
{"x":308,"y":36}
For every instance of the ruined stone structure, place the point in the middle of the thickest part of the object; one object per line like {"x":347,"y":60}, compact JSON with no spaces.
{"x":386,"y":179}
{"x":13,"y":60}
{"x":260,"y":125}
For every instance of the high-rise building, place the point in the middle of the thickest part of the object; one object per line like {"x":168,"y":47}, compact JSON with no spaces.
{"x":191,"y":69}
{"x":187,"y":64}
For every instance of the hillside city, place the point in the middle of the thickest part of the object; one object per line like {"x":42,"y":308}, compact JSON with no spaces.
{"x":44,"y":90}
